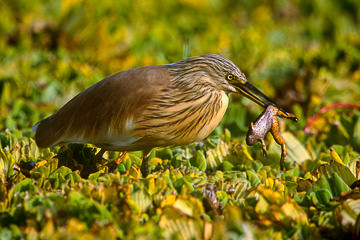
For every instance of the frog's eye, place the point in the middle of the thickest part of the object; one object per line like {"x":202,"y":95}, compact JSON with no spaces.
{"x":230,"y":77}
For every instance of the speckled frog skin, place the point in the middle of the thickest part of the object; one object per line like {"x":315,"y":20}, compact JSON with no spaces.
{"x":267,"y":121}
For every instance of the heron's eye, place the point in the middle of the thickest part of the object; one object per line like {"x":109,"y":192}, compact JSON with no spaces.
{"x":230,"y":77}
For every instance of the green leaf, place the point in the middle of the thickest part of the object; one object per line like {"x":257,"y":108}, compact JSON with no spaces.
{"x":24,"y":185}
{"x":296,"y":152}
{"x":93,"y":177}
{"x":62,"y":171}
{"x":324,"y":196}
{"x":356,"y":134}
{"x":227,"y":166}
{"x":322,"y":183}
{"x":347,"y":216}
{"x":338,"y":185}
{"x":341,"y":170}
{"x":200,"y":161}
{"x":253,"y":178}
{"x":142,"y":200}
{"x":121,"y":168}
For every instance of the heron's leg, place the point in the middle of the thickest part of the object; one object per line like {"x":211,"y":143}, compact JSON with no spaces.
{"x":99,"y":155}
{"x":120,"y":158}
{"x":113,"y":165}
{"x":145,"y":164}
{"x":275,"y":131}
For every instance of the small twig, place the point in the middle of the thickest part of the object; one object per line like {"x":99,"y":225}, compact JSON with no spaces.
{"x":327,"y":108}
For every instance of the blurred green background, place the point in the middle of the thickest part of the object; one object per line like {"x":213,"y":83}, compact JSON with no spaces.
{"x":305,"y":54}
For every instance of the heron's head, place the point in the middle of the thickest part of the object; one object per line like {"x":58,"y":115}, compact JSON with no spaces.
{"x":215,"y":71}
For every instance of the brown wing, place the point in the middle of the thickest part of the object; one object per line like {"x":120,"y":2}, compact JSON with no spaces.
{"x":106,"y":109}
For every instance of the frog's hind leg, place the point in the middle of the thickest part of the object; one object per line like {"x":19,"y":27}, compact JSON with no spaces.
{"x":283,"y":155}
{"x":275,"y":132}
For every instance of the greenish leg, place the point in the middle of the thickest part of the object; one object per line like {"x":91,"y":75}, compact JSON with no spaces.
{"x":145,"y":164}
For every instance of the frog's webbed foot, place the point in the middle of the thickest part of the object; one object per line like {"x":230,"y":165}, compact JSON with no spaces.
{"x":263,"y":146}
{"x":284,"y":114}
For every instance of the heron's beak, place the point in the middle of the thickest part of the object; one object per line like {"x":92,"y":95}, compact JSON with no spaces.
{"x":254,"y":94}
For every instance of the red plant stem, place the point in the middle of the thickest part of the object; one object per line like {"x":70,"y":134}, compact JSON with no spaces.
{"x":327,"y":108}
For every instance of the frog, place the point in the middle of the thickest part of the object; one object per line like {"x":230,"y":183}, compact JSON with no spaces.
{"x":268,"y":122}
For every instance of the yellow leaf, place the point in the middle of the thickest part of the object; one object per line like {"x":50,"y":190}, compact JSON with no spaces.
{"x":181,"y":226}
{"x":335,"y":156}
{"x":271,"y":196}
{"x":134,"y":172}
{"x":184,"y":207}
{"x":41,"y":163}
{"x":190,"y":206}
{"x":155,"y":161}
{"x":246,"y":153}
{"x":151,"y":186}
{"x":134,"y":206}
{"x":75,"y":225}
{"x":66,"y":5}
{"x":208,"y":230}
{"x":269,"y":182}
{"x":48,"y":230}
{"x":168,"y":201}
{"x":293,"y":211}
{"x":262,"y":206}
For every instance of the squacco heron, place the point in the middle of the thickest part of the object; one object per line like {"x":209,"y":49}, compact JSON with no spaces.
{"x":147,"y":107}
